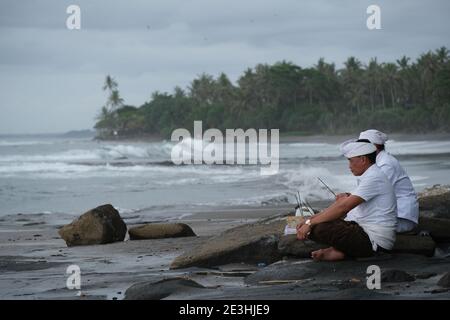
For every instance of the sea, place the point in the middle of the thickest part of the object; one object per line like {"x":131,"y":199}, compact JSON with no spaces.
{"x":65,"y":176}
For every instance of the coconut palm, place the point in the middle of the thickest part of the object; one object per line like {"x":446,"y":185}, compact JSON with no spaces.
{"x":110,"y":84}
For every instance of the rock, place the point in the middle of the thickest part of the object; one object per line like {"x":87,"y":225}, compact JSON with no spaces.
{"x":236,"y":267}
{"x":160,"y":289}
{"x":97,"y":226}
{"x":425,"y":275}
{"x":160,"y":230}
{"x":327,"y":272}
{"x":445,"y":280}
{"x":250,"y":243}
{"x":286,"y":272}
{"x":438,"y":228}
{"x":393,"y":275}
{"x":435,"y":201}
{"x":289,"y":245}
{"x":414,"y":244}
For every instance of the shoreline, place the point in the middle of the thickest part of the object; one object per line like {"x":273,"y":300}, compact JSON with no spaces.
{"x":34,"y":261}
{"x":34,"y":258}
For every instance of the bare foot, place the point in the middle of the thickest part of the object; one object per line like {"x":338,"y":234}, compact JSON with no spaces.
{"x":328,"y":254}
{"x":317,"y":255}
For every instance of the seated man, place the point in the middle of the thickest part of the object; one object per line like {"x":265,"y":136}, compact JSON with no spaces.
{"x":371,"y":212}
{"x":407,"y":204}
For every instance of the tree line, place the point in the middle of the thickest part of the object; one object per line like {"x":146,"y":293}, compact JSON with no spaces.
{"x":400,"y":96}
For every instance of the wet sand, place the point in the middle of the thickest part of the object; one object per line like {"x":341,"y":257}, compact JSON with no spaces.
{"x":34,"y":260}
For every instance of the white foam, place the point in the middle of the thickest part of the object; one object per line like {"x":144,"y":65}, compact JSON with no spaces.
{"x":12,"y":143}
{"x":304,"y":179}
{"x":152,"y":151}
{"x":417,"y":147}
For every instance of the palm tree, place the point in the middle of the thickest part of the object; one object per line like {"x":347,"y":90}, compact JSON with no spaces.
{"x":428,"y":66}
{"x":110,"y":84}
{"x":391,"y":78}
{"x":405,"y":82}
{"x":372,"y":78}
{"x":442,"y":55}
{"x":105,"y":122}
{"x":352,"y":76}
{"x":114,"y":100}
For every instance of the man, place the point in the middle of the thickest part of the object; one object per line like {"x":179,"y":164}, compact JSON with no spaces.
{"x":407,"y":204}
{"x":371,"y":212}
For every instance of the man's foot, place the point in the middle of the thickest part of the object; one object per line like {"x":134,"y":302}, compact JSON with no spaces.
{"x":328,"y":254}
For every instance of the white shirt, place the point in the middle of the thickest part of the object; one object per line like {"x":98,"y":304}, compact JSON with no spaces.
{"x":407,"y":205}
{"x":377,"y":215}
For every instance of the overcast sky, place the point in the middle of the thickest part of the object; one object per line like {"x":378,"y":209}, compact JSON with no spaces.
{"x":51,"y":77}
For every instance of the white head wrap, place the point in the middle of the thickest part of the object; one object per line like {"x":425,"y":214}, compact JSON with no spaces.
{"x":374,"y":136}
{"x":351,"y":148}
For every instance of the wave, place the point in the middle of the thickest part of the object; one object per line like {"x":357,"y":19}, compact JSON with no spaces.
{"x":160,"y":173}
{"x":107,"y":152}
{"x":397,"y":148}
{"x":418,"y":147}
{"x":12,"y":143}
{"x":304,"y":179}
{"x":161,"y":151}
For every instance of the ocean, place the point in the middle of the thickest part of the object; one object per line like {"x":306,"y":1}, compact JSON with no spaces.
{"x":56,"y":175}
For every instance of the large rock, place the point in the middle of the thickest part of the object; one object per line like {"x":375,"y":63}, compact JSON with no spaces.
{"x":285,"y":271}
{"x":445,"y":280}
{"x":250,"y":243}
{"x":97,"y":226}
{"x":414,"y":244}
{"x":397,"y":267}
{"x":289,"y":245}
{"x":395,"y":275}
{"x":160,"y":230}
{"x":435,"y":201}
{"x":160,"y":289}
{"x":439,"y":229}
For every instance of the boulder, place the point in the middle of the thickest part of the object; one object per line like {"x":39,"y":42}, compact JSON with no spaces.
{"x":435,"y":202}
{"x":393,"y":275}
{"x":397,"y":267}
{"x":425,"y":275}
{"x":160,"y":289}
{"x":250,"y":243}
{"x":445,"y":280}
{"x":284,"y":272}
{"x":289,"y":245}
{"x":414,"y":244}
{"x":160,"y":230}
{"x":437,"y":228}
{"x":97,"y":226}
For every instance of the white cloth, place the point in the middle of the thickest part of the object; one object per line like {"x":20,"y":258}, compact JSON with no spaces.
{"x":374,"y":136}
{"x":404,"y":225}
{"x":377,"y":215}
{"x":351,"y":149}
{"x":407,"y":204}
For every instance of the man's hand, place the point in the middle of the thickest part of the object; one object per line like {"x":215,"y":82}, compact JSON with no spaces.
{"x":303,"y":232}
{"x":342,"y":195}
{"x":300,"y":222}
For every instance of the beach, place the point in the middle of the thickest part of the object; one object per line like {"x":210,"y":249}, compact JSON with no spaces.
{"x":34,"y":258}
{"x":48,"y":182}
{"x":34,"y":261}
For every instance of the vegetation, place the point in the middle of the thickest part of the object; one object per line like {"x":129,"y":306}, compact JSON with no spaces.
{"x":403,"y":96}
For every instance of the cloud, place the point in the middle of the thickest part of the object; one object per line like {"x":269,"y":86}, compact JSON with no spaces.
{"x":54,"y":76}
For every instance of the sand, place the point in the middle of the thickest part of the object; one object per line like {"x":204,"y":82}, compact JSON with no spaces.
{"x":34,"y":260}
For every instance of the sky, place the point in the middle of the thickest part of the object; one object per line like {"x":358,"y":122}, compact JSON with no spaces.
{"x":51,"y":77}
